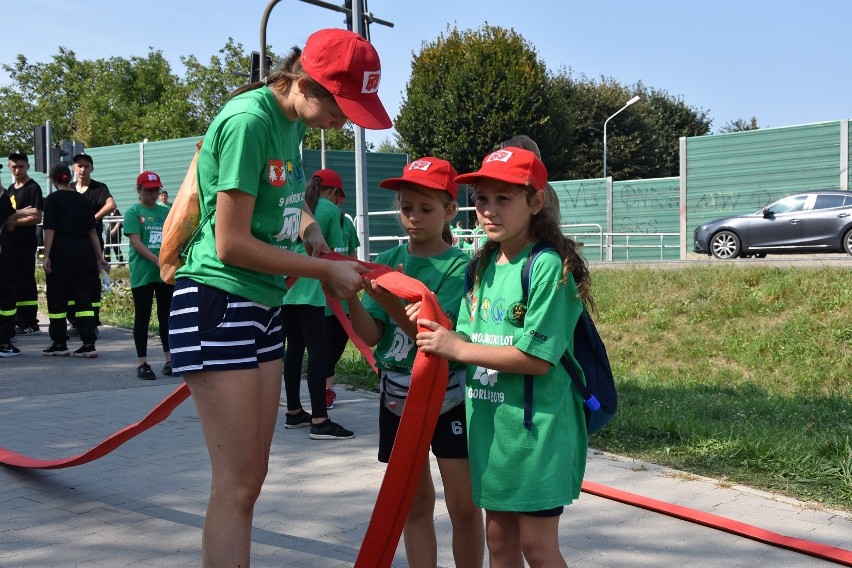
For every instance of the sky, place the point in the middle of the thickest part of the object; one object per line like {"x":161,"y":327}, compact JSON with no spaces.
{"x":784,"y":62}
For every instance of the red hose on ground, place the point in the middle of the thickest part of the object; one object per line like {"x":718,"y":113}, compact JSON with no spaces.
{"x":157,"y":415}
{"x":816,"y":549}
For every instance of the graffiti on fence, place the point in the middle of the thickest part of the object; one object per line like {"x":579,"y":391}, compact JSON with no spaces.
{"x":648,"y":196}
{"x":635,"y":225}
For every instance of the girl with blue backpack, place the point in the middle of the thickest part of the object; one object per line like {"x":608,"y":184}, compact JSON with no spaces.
{"x":523,"y":471}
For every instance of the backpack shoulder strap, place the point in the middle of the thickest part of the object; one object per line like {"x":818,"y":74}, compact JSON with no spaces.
{"x":526,"y":277}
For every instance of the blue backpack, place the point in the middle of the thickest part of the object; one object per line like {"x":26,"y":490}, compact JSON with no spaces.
{"x":598,"y":391}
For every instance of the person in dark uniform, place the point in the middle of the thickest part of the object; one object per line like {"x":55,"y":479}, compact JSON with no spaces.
{"x":72,"y":258}
{"x":102,"y":203}
{"x":25,"y":192}
{"x":7,"y":282}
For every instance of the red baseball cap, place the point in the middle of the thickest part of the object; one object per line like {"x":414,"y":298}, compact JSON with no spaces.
{"x":149,"y":180}
{"x":348,"y":66}
{"x":512,"y":165}
{"x":329,"y":178}
{"x":429,"y":172}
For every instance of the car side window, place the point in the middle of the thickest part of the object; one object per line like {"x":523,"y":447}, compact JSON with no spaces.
{"x":789,"y":205}
{"x":829,"y":201}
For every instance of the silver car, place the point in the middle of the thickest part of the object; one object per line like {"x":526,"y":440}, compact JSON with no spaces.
{"x":812,"y":222}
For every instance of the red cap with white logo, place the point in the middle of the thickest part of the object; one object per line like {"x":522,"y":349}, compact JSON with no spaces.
{"x":512,"y":165}
{"x":348,"y":66}
{"x":148,"y":180}
{"x":428,"y":172}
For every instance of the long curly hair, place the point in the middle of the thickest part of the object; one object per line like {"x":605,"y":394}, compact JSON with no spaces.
{"x":545,"y":226}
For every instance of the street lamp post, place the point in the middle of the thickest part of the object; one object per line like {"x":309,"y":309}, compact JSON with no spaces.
{"x":630,"y":102}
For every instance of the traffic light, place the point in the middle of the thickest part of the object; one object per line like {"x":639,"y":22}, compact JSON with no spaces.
{"x":40,"y":147}
{"x":254,"y":70}
{"x":66,"y":152}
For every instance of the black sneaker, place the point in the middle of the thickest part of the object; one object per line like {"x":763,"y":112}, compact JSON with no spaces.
{"x":87,"y":351}
{"x":9,"y":351}
{"x":298,"y":420}
{"x":145,"y":372}
{"x":167,"y":369}
{"x":56,"y":350}
{"x":28,"y":330}
{"x":329,"y":430}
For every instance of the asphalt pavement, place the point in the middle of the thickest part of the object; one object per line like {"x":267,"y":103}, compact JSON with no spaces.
{"x":143,"y":505}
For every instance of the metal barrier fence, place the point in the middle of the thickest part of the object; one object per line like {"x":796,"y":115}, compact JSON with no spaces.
{"x":606,"y":247}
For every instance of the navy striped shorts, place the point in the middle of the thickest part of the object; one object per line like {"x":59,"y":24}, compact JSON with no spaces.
{"x":213,"y":330}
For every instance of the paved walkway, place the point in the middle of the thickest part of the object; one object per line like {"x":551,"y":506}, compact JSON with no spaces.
{"x":143,"y":505}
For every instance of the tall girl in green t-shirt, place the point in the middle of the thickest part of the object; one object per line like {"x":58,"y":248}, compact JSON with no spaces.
{"x":426,"y":197}
{"x":225,"y":324}
{"x":522,"y":474}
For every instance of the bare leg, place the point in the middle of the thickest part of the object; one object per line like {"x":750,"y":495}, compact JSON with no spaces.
{"x":465,"y":516}
{"x":540,"y":541}
{"x":421,"y":545}
{"x":237,"y":410}
{"x":504,"y":539}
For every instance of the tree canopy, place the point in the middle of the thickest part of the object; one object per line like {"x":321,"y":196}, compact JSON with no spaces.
{"x":469,"y":90}
{"x":119,"y":100}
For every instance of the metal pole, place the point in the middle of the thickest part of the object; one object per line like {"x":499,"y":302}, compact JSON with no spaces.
{"x":48,"y":142}
{"x":263,"y":22}
{"x":630,"y":102}
{"x":361,"y":208}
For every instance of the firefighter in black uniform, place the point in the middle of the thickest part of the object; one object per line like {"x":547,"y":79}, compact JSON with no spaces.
{"x":103,"y":204}
{"x":25,"y":192}
{"x":72,"y":258}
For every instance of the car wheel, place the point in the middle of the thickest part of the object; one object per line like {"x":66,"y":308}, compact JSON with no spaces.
{"x":725,"y":245}
{"x":847,"y":242}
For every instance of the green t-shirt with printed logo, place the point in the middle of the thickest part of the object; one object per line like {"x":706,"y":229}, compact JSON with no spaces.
{"x":308,"y":291}
{"x":147,"y":222}
{"x":351,"y":242}
{"x":253,"y":147}
{"x":442,"y":274}
{"x":512,"y":468}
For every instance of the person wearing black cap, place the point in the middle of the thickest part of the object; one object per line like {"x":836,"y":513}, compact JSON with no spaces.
{"x":102,"y":204}
{"x":8,"y":218}
{"x":25,"y":192}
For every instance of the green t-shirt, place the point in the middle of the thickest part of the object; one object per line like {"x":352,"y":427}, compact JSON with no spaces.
{"x":443,"y":275}
{"x":147,"y":222}
{"x":512,"y":468}
{"x":308,"y":291}
{"x":253,"y":147}
{"x":351,"y":242}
